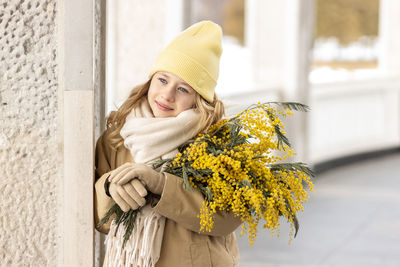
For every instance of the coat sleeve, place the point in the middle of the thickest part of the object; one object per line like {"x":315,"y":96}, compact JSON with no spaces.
{"x":183,"y":206}
{"x":102,"y":202}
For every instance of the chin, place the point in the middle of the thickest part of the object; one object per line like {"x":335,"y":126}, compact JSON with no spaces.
{"x":161,"y":114}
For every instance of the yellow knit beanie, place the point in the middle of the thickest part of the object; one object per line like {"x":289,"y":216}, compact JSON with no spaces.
{"x":194,"y":56}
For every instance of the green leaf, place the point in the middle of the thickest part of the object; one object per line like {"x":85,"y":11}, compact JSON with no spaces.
{"x":158,"y":163}
{"x":296,"y":225}
{"x":292,"y":166}
{"x":293,"y":217}
{"x":110,"y":212}
{"x":206,"y":193}
{"x":282,"y":139}
{"x":129,"y":223}
{"x":245,"y":183}
{"x":186,"y":179}
{"x":293,"y":106}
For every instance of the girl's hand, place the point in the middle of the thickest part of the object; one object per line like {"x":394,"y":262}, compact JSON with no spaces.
{"x":151,"y":179}
{"x":128,"y":196}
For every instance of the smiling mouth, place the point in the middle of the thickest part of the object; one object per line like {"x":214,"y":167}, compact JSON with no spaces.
{"x":163,"y":107}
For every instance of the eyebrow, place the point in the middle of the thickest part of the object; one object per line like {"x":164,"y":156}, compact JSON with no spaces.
{"x":168,"y":76}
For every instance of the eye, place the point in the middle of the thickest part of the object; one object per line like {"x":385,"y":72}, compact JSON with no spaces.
{"x":162,"y":80}
{"x":183,"y":90}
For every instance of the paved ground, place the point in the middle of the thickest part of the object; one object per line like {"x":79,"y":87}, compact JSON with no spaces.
{"x":353,"y":219}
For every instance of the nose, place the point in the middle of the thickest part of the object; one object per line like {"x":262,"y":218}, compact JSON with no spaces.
{"x":169,"y":93}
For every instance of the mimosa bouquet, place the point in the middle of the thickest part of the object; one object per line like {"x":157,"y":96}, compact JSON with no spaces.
{"x":238,"y":166}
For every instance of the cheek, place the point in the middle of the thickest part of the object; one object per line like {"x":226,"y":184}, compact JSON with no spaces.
{"x":187,"y":103}
{"x":152,"y":92}
{"x":150,"y":95}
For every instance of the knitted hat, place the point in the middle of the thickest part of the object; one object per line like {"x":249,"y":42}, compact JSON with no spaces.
{"x":194,"y":56}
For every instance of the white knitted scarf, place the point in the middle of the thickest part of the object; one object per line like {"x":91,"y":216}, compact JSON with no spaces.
{"x":148,"y":139}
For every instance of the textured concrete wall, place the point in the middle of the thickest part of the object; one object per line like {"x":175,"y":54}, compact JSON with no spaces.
{"x":28,"y":133}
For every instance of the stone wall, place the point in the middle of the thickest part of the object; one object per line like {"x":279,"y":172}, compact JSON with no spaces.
{"x":28,"y":133}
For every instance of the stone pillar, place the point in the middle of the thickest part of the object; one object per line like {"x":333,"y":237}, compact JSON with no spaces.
{"x":99,"y":100}
{"x":279,"y":35}
{"x":76,"y":83}
{"x":137,"y":32}
{"x":100,"y":67}
{"x":389,"y":22}
{"x":30,"y":158}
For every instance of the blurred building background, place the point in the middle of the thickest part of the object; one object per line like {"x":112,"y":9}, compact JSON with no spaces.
{"x":338,"y":56}
{"x":66,"y":64}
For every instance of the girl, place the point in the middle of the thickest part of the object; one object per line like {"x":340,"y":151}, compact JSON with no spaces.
{"x":157,"y":119}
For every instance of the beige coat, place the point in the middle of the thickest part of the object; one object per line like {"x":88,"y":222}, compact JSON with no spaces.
{"x":182,"y":244}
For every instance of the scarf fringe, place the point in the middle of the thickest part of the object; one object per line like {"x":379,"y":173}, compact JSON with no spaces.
{"x":139,"y":249}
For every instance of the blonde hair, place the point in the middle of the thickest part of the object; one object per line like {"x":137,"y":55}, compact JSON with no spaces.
{"x":210,"y":113}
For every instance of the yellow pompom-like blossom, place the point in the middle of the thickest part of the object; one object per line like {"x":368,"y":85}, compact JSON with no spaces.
{"x":235,"y":165}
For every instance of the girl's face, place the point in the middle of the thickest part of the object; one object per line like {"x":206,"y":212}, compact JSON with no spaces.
{"x":169,"y":95}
